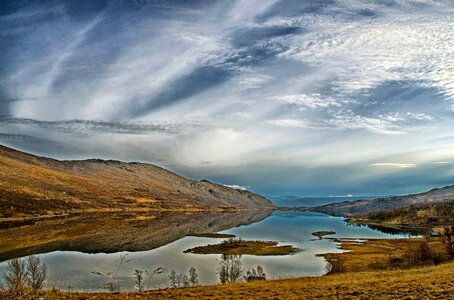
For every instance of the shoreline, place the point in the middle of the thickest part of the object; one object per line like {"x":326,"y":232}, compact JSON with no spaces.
{"x":129,"y":210}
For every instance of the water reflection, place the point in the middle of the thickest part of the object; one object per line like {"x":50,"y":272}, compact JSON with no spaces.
{"x":160,"y":242}
{"x":109,"y":233}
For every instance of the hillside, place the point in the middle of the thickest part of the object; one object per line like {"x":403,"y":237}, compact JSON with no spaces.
{"x":362,"y":207}
{"x":428,"y":216}
{"x":299,"y":202}
{"x":37,"y":185}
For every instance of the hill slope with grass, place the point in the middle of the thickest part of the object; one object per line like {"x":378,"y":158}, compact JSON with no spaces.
{"x":38,"y":185}
{"x":362,"y":207}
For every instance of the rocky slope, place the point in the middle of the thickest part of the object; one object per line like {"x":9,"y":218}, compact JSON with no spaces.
{"x":361,"y":207}
{"x":37,"y":185}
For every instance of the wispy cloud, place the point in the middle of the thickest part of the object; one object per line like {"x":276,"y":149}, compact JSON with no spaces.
{"x":223,"y":89}
{"x":394,"y":165}
{"x":83,"y":126}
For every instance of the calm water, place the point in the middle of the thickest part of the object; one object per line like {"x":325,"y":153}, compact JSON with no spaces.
{"x":73,"y":270}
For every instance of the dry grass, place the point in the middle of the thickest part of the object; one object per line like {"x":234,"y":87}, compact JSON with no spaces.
{"x":377,"y":253}
{"x":31,"y":185}
{"x":434,"y":282}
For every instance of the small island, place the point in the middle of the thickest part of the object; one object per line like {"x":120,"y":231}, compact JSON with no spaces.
{"x":240,"y":247}
{"x":213,"y":235}
{"x":321,"y":234}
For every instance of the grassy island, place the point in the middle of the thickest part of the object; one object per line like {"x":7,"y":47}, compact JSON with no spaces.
{"x":321,"y":234}
{"x":239,"y":247}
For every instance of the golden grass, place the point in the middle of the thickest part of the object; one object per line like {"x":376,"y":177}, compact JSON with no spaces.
{"x":434,"y":282}
{"x":376,"y":253}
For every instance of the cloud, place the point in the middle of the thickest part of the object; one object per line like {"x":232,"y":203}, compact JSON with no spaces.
{"x":236,"y":187}
{"x":288,"y":123}
{"x":265,"y":93}
{"x":83,"y":126}
{"x":313,"y":101}
{"x":394,"y":165}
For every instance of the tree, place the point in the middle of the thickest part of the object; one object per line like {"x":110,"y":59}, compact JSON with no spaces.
{"x":448,"y":240}
{"x":138,"y":275}
{"x":230,"y":268}
{"x":182,"y":280}
{"x":37,"y":272}
{"x":173,"y":279}
{"x":16,"y":274}
{"x":178,"y":280}
{"x":193,"y":277}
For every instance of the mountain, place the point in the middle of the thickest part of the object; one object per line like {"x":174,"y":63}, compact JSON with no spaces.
{"x":297,"y":201}
{"x":38,"y":185}
{"x":361,"y":207}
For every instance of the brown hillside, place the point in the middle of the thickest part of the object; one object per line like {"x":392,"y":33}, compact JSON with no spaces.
{"x":37,"y":185}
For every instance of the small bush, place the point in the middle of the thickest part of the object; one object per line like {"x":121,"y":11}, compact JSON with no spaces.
{"x":180,"y":280}
{"x":193,"y":277}
{"x":255,"y":274}
{"x":335,"y":266}
{"x":138,"y":279}
{"x":421,"y":255}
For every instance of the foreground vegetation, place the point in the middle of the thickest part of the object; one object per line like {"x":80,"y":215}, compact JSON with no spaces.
{"x":429,"y":282}
{"x":374,"y":269}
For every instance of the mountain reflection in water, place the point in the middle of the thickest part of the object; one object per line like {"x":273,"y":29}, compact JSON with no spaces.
{"x":116,"y":232}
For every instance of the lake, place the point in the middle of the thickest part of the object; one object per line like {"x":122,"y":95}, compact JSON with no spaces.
{"x":78,"y":246}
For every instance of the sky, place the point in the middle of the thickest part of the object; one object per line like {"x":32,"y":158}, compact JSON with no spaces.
{"x":282,"y":97}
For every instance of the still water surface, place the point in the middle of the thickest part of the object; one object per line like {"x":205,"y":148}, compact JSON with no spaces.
{"x":73,"y":270}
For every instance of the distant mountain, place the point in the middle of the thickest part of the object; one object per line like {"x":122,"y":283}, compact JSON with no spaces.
{"x":37,"y":185}
{"x":296,"y":201}
{"x":361,"y":207}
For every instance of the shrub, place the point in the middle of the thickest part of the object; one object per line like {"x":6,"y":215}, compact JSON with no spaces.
{"x":16,"y":275}
{"x":255,"y":274}
{"x":193,"y":277}
{"x":422,"y":255}
{"x":138,"y":279}
{"x":178,"y":280}
{"x":335,"y":266}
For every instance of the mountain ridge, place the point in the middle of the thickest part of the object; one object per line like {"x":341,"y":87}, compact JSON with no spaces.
{"x":361,"y":207}
{"x":31,"y":184}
